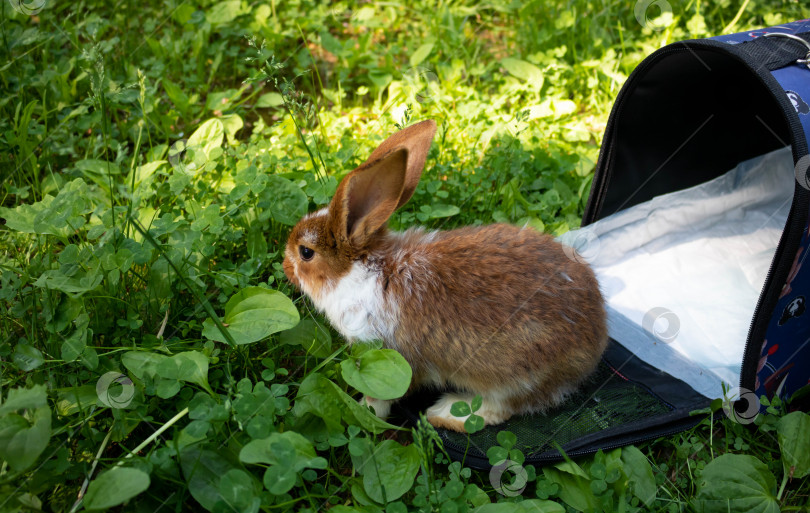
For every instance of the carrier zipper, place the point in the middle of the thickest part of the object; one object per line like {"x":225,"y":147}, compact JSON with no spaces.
{"x":459,"y":450}
{"x":766,"y":288}
{"x":779,"y":264}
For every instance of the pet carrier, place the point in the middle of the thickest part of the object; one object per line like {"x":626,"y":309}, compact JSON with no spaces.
{"x":697,"y":228}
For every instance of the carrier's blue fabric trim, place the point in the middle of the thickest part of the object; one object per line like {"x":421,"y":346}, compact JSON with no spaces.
{"x":784,"y":363}
{"x":794,"y":27}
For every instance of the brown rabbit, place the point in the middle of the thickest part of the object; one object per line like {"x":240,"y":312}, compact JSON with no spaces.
{"x":497,"y":311}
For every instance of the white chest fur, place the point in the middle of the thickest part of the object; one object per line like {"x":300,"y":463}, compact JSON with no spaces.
{"x":357,"y":308}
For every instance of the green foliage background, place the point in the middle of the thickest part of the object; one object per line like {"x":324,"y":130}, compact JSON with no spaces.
{"x":153,"y":157}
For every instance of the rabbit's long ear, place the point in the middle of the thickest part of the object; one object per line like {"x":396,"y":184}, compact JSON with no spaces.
{"x":416,"y":141}
{"x":367,"y":197}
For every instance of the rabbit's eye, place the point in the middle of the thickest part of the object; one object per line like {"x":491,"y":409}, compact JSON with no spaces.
{"x":306,"y":253}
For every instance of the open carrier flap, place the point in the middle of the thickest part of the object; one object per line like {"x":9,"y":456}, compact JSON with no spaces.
{"x":682,"y":272}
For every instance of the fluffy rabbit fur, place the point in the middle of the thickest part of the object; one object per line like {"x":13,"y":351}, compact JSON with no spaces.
{"x":496,"y":310}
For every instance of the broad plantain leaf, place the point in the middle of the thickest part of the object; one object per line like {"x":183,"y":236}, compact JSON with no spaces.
{"x":269,"y":100}
{"x":98,"y":167}
{"x":74,"y":345}
{"x":143,"y":173}
{"x":22,"y":217}
{"x":438,"y":210}
{"x":61,"y":215}
{"x":175,"y":93}
{"x":114,"y":487}
{"x":256,"y":243}
{"x":189,"y":366}
{"x":27,"y":357}
{"x":640,"y":473}
{"x":312,"y":335}
{"x":75,"y":399}
{"x":24,"y":436}
{"x":231,"y":123}
{"x":203,"y":470}
{"x":379,"y":373}
{"x":793,"y":431}
{"x":421,"y":54}
{"x":24,"y":398}
{"x":737,"y":482}
{"x":524,"y":71}
{"x":389,"y":466}
{"x":223,"y":12}
{"x":142,"y":363}
{"x":574,"y":489}
{"x":252,"y":314}
{"x":238,"y":489}
{"x":208,"y":136}
{"x":322,"y":398}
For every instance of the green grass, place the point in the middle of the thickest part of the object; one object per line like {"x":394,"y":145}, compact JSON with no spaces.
{"x":152,"y":160}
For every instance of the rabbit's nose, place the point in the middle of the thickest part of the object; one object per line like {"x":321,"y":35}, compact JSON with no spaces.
{"x":289,"y":270}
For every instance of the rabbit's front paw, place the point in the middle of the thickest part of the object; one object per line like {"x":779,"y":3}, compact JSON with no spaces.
{"x":381,"y":407}
{"x":492,"y":411}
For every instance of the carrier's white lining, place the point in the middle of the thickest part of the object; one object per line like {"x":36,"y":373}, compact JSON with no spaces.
{"x":701,"y":253}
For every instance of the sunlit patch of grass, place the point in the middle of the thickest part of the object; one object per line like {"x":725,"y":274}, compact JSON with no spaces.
{"x":152,"y":161}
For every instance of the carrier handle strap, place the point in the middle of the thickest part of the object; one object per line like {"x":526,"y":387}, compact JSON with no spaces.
{"x":778,"y":49}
